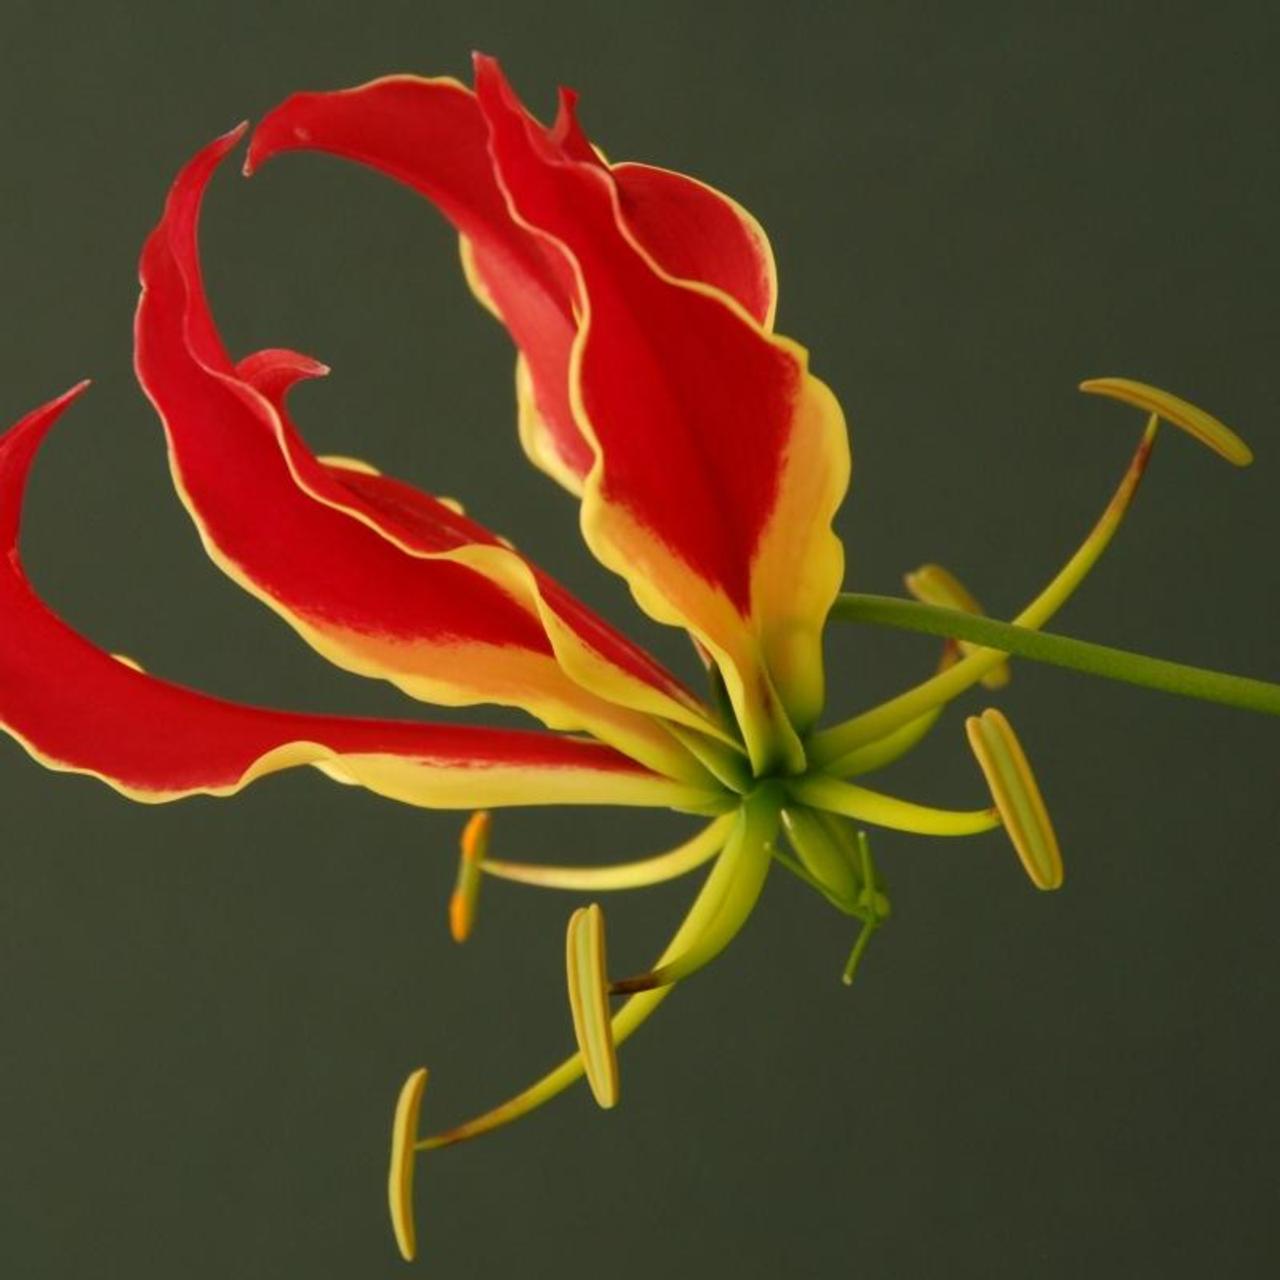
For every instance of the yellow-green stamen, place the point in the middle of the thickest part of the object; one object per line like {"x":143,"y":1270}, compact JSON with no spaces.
{"x":657,"y":869}
{"x":404,"y":1133}
{"x":1017,"y":796}
{"x":588,"y":982}
{"x":880,"y":810}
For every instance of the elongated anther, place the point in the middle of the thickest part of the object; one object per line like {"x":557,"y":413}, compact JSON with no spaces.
{"x":1173,"y":409}
{"x":404,"y":1134}
{"x":586,"y":970}
{"x":466,"y":889}
{"x":932,"y":584}
{"x":1017,"y":797}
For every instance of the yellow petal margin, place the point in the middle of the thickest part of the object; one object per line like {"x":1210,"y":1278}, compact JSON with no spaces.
{"x":404,"y":1134}
{"x":1017,"y":797}
{"x":1173,"y":409}
{"x":589,"y":1002}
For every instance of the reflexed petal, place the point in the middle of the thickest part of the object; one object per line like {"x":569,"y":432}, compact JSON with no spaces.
{"x":588,"y":981}
{"x":429,"y":134}
{"x":378,"y":577}
{"x":1013,"y":787}
{"x":695,"y":232}
{"x":404,"y":1159}
{"x":74,"y":707}
{"x":721,"y":459}
{"x":1173,"y":409}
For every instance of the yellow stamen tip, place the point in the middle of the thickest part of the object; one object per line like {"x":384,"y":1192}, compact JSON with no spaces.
{"x":932,"y":584}
{"x":132,"y":663}
{"x":586,"y":970}
{"x":404,"y":1133}
{"x":1176,"y":411}
{"x":1017,"y":797}
{"x":466,"y":889}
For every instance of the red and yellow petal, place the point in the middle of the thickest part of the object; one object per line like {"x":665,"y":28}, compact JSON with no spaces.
{"x":720,"y":459}
{"x":74,"y":707}
{"x":378,"y":577}
{"x":430,"y":135}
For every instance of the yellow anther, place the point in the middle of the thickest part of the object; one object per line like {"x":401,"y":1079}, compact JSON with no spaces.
{"x":466,"y":888}
{"x":588,"y":980}
{"x":132,"y":663}
{"x":404,"y":1136}
{"x":1176,"y":411}
{"x":932,"y":584}
{"x":1017,"y":797}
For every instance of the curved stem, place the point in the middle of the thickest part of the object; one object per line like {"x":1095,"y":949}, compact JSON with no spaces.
{"x":881,"y":810}
{"x":1062,"y":651}
{"x":621,"y":875}
{"x":832,"y":746}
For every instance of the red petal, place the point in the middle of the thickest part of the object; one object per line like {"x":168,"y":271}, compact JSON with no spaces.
{"x":74,"y":707}
{"x":430,"y":135}
{"x":434,"y":602}
{"x":721,"y":459}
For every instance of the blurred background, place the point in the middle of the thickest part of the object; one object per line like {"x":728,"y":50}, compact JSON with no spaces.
{"x":208,"y":1008}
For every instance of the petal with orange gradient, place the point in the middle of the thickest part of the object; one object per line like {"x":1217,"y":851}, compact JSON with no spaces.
{"x":430,"y":135}
{"x":721,"y":459}
{"x":445,"y":611}
{"x":76,"y":708}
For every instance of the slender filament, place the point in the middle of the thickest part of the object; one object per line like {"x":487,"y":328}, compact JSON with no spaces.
{"x":621,"y":875}
{"x":832,"y":747}
{"x":881,"y":810}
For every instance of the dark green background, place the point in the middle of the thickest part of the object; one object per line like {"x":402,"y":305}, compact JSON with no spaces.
{"x":206,"y":1009}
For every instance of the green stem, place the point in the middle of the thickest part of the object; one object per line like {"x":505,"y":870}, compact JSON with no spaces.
{"x":1061,"y":651}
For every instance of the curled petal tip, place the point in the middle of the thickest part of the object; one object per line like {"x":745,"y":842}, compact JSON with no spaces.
{"x":404,"y":1137}
{"x":1212,"y":433}
{"x":1018,"y":800}
{"x":586,"y":969}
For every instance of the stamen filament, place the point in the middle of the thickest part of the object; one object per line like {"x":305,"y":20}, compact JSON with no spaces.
{"x":881,"y":810}
{"x":833,"y":746}
{"x":586,"y":971}
{"x":622,"y":875}
{"x":741,"y":870}
{"x":628,"y":1018}
{"x":893,"y":746}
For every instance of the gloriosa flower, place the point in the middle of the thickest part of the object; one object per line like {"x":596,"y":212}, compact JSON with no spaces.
{"x":709,"y":464}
